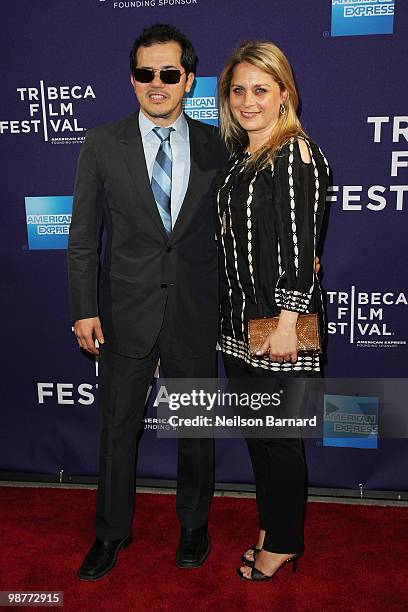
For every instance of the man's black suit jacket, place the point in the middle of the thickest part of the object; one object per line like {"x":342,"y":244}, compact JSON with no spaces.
{"x":142,"y":269}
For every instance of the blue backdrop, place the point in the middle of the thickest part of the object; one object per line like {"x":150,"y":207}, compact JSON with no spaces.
{"x":65,"y":69}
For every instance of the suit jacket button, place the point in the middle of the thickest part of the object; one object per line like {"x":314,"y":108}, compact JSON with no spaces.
{"x":168,"y":249}
{"x":163,"y":286}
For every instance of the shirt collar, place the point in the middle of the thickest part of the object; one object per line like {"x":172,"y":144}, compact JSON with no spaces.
{"x":179,"y":125}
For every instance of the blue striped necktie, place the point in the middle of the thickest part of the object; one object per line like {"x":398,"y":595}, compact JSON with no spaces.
{"x":161,"y":176}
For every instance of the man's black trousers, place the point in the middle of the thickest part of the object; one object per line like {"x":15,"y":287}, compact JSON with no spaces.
{"x":123,"y":386}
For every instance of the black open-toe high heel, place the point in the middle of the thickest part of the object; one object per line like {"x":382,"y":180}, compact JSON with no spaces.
{"x":257,"y":575}
{"x":248,"y":562}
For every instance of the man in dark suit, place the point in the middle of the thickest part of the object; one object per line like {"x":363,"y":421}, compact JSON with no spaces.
{"x":146,"y":180}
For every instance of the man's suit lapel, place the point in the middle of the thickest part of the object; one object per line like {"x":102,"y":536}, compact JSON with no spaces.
{"x":132,"y":147}
{"x":197,"y":183}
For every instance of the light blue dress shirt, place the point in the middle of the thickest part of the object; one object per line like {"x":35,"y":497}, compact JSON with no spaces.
{"x":180,"y":146}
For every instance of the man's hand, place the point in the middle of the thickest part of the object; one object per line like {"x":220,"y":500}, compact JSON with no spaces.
{"x":86,"y":331}
{"x":317,"y":265}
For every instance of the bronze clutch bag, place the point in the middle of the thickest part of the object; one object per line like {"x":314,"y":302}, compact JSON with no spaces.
{"x":307,"y":330}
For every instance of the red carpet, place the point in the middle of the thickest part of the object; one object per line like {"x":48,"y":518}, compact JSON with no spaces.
{"x":356,"y":557}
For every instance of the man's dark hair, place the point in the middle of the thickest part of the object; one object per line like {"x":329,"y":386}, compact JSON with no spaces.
{"x":162,"y":33}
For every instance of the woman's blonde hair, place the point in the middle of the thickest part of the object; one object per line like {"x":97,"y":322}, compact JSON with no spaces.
{"x":268,"y":57}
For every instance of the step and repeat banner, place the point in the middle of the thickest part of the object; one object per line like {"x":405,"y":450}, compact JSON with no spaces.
{"x":64,"y":70}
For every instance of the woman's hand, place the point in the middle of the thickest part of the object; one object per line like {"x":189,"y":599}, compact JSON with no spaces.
{"x":281,"y":344}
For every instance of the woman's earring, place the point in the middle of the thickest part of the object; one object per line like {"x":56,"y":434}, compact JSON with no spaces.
{"x":282,"y":109}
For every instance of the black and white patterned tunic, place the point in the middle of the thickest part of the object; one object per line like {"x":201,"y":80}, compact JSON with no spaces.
{"x":269,"y":224}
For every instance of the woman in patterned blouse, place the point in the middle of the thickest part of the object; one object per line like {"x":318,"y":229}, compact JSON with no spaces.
{"x":270,"y":202}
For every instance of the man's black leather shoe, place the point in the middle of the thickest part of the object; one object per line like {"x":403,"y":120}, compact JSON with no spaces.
{"x":101,"y":558}
{"x":194,"y":547}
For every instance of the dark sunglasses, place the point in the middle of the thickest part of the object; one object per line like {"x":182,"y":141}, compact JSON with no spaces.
{"x":170,"y":76}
